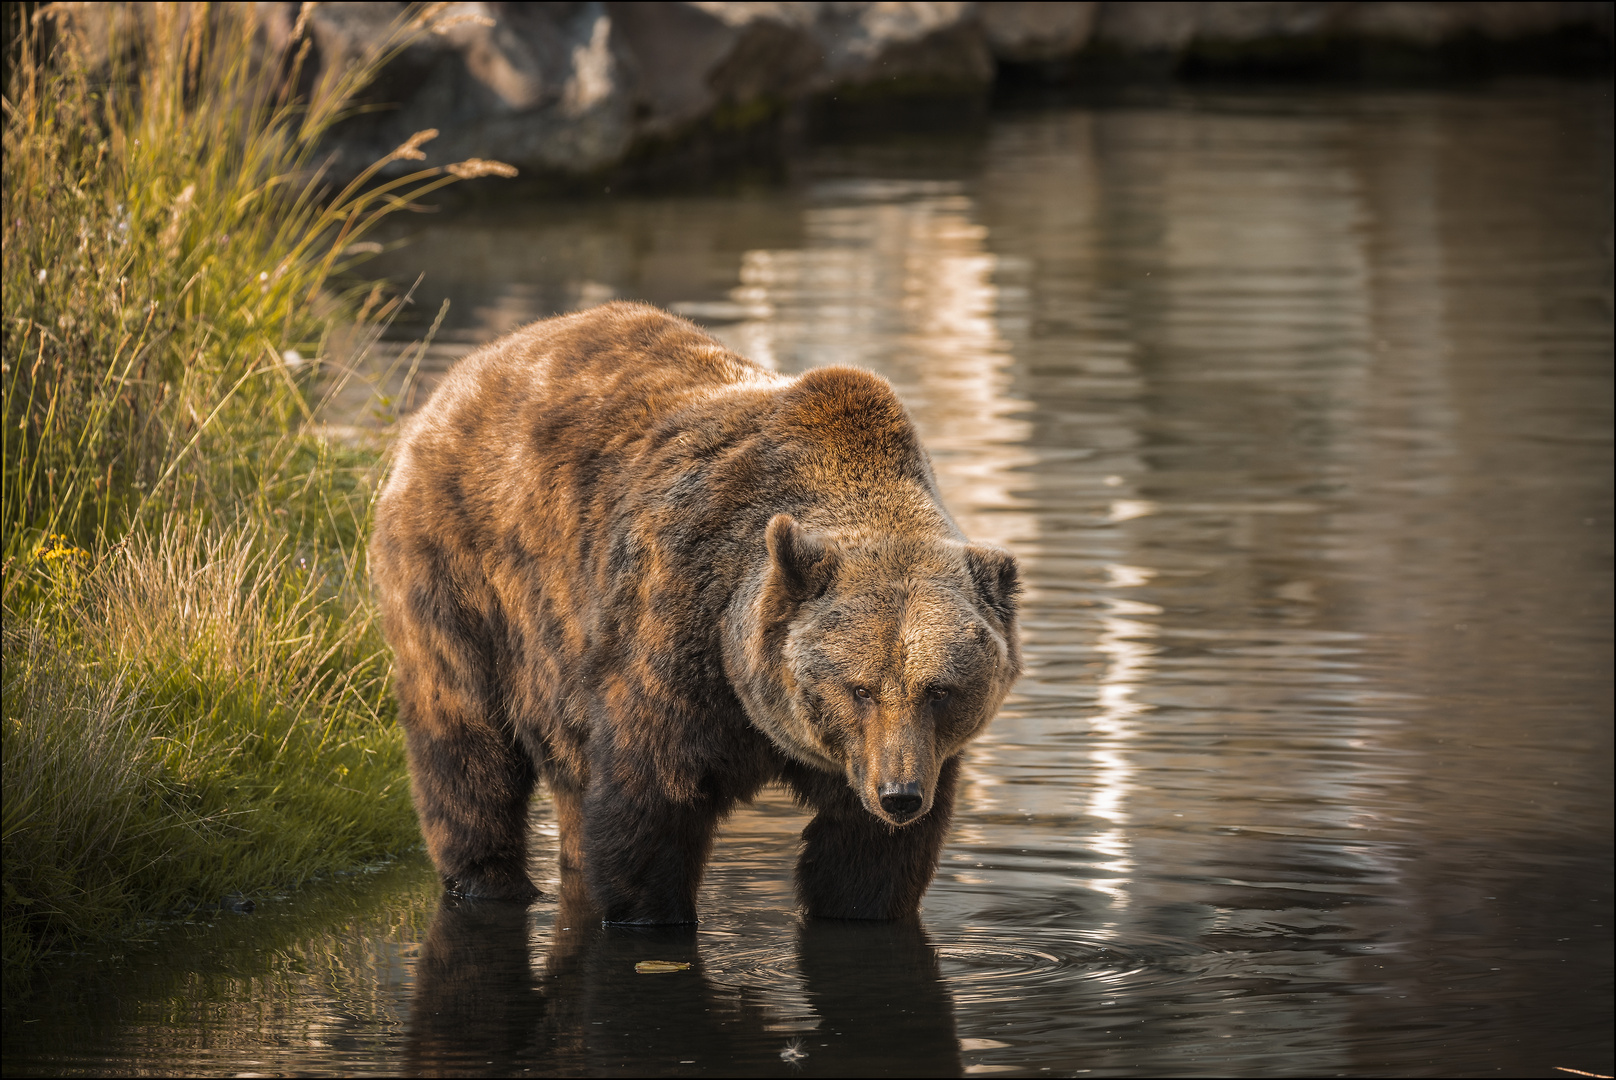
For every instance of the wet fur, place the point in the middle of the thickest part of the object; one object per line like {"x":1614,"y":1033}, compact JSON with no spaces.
{"x":614,"y":554}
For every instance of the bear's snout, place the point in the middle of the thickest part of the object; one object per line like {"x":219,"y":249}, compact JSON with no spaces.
{"x":902,"y":801}
{"x":897,"y":775}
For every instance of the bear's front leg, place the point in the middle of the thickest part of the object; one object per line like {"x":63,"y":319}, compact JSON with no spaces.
{"x":471,"y":787}
{"x":644,"y":852}
{"x":856,"y":866}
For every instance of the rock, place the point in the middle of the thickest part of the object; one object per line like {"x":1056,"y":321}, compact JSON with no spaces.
{"x":1175,"y":27}
{"x":1433,"y":24}
{"x":691,"y":61}
{"x":917,"y":45}
{"x":541,"y":86}
{"x":729,"y":61}
{"x":1035,"y":32}
{"x":1147,"y":27}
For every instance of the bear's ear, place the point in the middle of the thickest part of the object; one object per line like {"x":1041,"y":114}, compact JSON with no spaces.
{"x":803,"y":562}
{"x":997,"y":580}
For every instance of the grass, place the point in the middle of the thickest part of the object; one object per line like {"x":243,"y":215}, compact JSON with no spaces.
{"x":195,"y":687}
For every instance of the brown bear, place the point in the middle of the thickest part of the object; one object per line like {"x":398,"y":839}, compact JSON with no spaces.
{"x":614,"y":554}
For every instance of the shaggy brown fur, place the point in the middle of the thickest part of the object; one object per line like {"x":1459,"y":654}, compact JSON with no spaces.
{"x":617,"y":555}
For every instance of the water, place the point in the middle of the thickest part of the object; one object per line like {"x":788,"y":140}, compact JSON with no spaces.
{"x":1296,"y":408}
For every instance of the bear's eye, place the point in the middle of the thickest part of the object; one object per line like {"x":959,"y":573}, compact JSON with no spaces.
{"x":862,"y":693}
{"x":937,"y":693}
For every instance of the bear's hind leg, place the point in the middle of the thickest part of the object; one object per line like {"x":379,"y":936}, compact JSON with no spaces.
{"x":568,"y":801}
{"x":856,"y":866}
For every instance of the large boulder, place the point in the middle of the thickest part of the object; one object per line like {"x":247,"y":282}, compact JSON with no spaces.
{"x":1027,"y":33}
{"x":731,"y":62}
{"x":547,"y":87}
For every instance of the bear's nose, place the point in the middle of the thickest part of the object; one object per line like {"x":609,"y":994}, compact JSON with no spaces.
{"x":900,"y":800}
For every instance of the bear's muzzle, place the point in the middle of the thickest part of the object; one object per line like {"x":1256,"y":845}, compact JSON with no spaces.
{"x":902,"y":801}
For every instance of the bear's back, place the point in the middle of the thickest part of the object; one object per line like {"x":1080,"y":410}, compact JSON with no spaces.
{"x":587,"y":377}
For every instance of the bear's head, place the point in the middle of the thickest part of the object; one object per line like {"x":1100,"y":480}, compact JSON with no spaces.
{"x":879,"y":658}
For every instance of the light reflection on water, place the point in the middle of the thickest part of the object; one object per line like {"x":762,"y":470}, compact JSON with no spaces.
{"x":1297,"y":411}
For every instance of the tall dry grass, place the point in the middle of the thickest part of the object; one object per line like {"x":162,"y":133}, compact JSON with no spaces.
{"x":194,"y":686}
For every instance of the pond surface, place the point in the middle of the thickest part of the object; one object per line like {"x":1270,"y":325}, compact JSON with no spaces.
{"x":1296,"y":408}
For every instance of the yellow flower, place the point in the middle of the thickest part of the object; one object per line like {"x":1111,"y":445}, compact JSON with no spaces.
{"x":57,"y":546}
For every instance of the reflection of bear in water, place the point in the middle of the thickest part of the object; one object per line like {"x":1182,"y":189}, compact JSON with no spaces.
{"x":615,"y":554}
{"x":877,"y":1004}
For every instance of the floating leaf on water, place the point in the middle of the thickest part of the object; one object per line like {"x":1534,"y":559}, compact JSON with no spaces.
{"x":658,"y":967}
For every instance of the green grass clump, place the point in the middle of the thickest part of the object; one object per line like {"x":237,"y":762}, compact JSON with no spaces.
{"x":193,"y":716}
{"x":194,"y":682}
